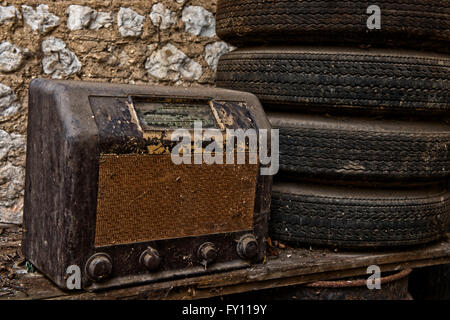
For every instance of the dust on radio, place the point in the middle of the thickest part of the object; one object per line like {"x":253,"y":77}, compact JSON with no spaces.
{"x":209,"y":146}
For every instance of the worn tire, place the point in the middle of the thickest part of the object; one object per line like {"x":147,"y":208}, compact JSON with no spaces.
{"x":406,"y":23}
{"x":346,"y":148}
{"x":350,"y":79}
{"x":345,"y":217}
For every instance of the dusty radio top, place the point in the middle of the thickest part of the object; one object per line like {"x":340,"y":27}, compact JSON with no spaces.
{"x":129,"y":184}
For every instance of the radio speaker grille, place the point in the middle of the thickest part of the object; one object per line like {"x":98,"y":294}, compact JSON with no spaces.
{"x":148,"y":197}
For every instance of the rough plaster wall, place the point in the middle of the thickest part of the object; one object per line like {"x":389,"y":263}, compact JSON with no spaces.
{"x":170,"y":42}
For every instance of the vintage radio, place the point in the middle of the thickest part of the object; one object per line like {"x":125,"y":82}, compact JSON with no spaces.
{"x":104,"y":195}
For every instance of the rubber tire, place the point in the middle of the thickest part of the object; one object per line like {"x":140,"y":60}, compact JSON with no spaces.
{"x":406,"y":23}
{"x":372,"y":150}
{"x":357,"y":218}
{"x":343,"y":79}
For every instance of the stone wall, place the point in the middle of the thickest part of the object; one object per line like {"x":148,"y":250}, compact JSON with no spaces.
{"x":170,"y":42}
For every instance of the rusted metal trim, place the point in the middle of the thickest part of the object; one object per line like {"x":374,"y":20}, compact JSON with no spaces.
{"x":357,"y":283}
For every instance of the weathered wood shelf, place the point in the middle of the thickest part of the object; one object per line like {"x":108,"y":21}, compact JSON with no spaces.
{"x":292,"y":266}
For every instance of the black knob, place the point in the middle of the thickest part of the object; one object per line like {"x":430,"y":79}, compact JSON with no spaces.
{"x":99,"y":267}
{"x":247,"y":247}
{"x":207,"y":252}
{"x":150,"y":259}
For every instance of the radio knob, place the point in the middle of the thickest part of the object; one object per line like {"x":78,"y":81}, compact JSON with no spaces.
{"x":207,"y":252}
{"x":247,"y":247}
{"x":99,"y":267}
{"x":150,"y":259}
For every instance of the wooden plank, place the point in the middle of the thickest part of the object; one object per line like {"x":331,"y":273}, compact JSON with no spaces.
{"x":291,"y":267}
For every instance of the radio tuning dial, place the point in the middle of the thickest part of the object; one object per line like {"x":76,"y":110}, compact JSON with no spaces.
{"x":99,"y":267}
{"x":207,"y":252}
{"x":247,"y":246}
{"x":150,"y":259}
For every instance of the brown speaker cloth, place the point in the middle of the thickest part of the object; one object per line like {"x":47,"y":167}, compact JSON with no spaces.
{"x":148,"y":197}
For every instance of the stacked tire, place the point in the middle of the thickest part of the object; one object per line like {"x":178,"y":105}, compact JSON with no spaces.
{"x":363,"y":115}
